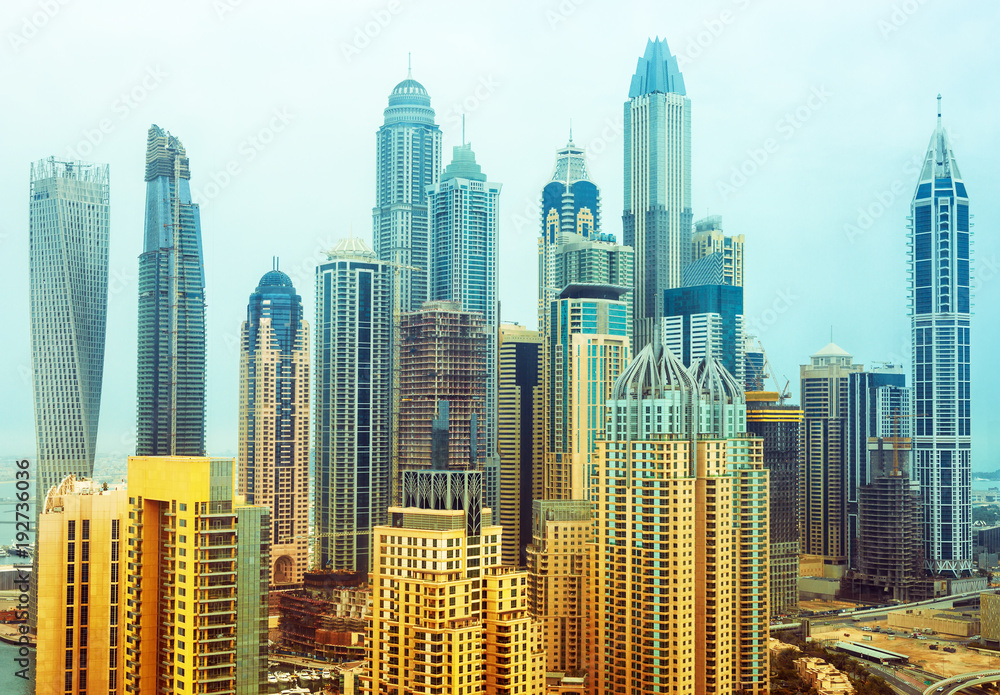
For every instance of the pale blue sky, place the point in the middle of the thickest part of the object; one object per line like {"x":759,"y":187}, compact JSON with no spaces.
{"x":834,"y":100}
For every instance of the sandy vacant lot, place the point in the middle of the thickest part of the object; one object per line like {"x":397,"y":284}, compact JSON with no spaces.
{"x":962,"y":661}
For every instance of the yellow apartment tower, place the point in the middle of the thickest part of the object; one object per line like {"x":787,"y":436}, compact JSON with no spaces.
{"x":449,"y":619}
{"x":81,"y":589}
{"x":679,"y":576}
{"x":274,"y":420}
{"x":198,"y":574}
{"x":562,"y":538}
{"x":520,"y":432}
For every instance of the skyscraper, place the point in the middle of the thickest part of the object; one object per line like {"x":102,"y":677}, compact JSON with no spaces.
{"x":707,"y":319}
{"x":571,"y":205}
{"x":657,"y":215}
{"x":442,"y":360}
{"x":779,"y":426}
{"x":678,"y":474}
{"x":170,"y":415}
{"x":520,"y":436}
{"x":81,"y":589}
{"x":352,"y":403}
{"x":464,"y":215}
{"x":408,"y":161}
{"x":716,"y":259}
{"x":274,"y":420}
{"x":940,"y":302}
{"x":196,"y":616}
{"x":878,"y":405}
{"x":68,"y":290}
{"x":449,"y":618}
{"x":587,"y":348}
{"x":823,"y":462}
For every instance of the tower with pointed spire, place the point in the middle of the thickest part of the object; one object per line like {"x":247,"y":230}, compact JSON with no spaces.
{"x":940,"y":271}
{"x":408,"y":160}
{"x":657,"y":214}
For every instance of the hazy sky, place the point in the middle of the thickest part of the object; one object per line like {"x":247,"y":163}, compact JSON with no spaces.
{"x":826,"y":106}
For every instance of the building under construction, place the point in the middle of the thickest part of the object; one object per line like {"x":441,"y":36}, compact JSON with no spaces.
{"x":779,"y":426}
{"x":327,"y":618}
{"x":442,"y":359}
{"x":890,"y":528}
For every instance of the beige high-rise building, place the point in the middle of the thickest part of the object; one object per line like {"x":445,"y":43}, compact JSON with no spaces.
{"x":521,"y":439}
{"x":274,"y":420}
{"x":823,"y":462}
{"x":448,"y":618}
{"x":679,"y":575}
{"x":716,"y":259}
{"x":562,"y":538}
{"x":81,"y":589}
{"x":587,"y":349}
{"x":197,"y":579}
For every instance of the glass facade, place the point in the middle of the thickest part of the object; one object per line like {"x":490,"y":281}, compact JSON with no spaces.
{"x":940,"y":297}
{"x":170,"y":412}
{"x":707,"y":319}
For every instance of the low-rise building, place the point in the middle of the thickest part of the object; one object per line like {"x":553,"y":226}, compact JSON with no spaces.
{"x":825,"y":678}
{"x":959,"y":624}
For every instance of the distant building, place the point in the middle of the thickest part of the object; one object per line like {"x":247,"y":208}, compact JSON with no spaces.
{"x":407,"y":162}
{"x":754,"y":365}
{"x":705,"y":320}
{"x":521,"y":436}
{"x":779,"y":426}
{"x":587,"y":348}
{"x":194,"y":550}
{"x":716,"y":259}
{"x":464,"y":217}
{"x":352,"y":396}
{"x":327,"y":618}
{"x":657,"y":214}
{"x":82,"y":600}
{"x":170,"y":412}
{"x":823,"y":459}
{"x":878,"y":405}
{"x":274,"y":420}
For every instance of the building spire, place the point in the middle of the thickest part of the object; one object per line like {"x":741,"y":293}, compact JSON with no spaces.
{"x":409,"y":65}
{"x":571,"y":131}
{"x":463,"y":129}
{"x":939,"y":109}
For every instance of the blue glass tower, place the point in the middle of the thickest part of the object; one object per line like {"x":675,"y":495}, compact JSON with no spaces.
{"x":657,"y":217}
{"x":170,"y":388}
{"x":940,"y":300}
{"x":706,"y":320}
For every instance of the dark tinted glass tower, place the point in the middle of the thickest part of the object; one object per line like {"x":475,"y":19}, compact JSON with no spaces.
{"x":170,"y":400}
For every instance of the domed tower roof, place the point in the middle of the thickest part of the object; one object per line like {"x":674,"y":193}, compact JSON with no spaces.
{"x":409,"y":91}
{"x":275,"y":278}
{"x":409,"y":102}
{"x":654,"y":371}
{"x":715,"y":380}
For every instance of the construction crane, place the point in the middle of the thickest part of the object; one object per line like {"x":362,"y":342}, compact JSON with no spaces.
{"x":766,"y":368}
{"x":897,"y":441}
{"x":396,"y":394}
{"x":313,"y":537}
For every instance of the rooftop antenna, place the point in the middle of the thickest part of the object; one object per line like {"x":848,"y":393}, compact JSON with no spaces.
{"x":571,"y":130}
{"x":463,"y":129}
{"x":939,"y":108}
{"x":409,"y":65}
